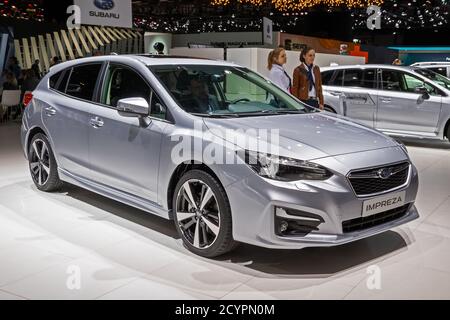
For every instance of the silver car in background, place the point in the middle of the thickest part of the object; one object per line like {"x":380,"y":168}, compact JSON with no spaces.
{"x":112,"y":125}
{"x":443,"y":68}
{"x":399,"y":101}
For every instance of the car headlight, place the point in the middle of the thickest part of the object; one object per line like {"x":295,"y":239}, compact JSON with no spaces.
{"x":283,"y":168}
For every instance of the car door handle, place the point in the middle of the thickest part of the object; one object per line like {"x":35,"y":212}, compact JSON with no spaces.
{"x":50,"y":111}
{"x":96,"y":122}
{"x":385,"y":100}
{"x":357,"y":98}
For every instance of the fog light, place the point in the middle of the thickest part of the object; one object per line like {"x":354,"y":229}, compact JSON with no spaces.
{"x":292,"y":222}
{"x":283,"y":226}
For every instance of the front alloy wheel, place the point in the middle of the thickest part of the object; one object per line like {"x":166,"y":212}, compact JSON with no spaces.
{"x":198,"y":213}
{"x":202,"y":214}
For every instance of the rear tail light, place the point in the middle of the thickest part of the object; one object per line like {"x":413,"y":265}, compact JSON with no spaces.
{"x":27,"y":98}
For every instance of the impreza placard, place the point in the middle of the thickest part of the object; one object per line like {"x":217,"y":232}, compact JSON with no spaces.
{"x":382,"y":204}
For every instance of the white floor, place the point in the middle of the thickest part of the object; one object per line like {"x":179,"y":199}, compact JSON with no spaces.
{"x":77,"y":245}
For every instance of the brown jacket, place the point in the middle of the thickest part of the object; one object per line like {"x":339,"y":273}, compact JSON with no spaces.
{"x":300,"y":86}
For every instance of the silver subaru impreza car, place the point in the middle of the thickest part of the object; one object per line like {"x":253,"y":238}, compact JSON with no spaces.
{"x":218,"y":149}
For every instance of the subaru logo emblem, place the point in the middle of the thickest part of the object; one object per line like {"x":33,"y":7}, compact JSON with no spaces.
{"x":104,"y":4}
{"x":384,"y":173}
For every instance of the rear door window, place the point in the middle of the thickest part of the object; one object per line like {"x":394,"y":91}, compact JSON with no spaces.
{"x":353,"y":78}
{"x":369,"y":79}
{"x":83,"y":80}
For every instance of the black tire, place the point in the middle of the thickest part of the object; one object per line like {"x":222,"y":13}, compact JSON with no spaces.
{"x":223,"y":242}
{"x":448,"y":133}
{"x":329,"y":109}
{"x":50,"y":181}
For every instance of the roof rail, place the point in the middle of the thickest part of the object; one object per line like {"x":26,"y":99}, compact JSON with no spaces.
{"x":431,"y":63}
{"x":161,"y":56}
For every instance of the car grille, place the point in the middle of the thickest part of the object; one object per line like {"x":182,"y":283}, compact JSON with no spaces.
{"x":362,"y":223}
{"x":380,"y":179}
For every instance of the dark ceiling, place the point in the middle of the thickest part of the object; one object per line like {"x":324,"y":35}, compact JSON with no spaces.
{"x":403,"y":22}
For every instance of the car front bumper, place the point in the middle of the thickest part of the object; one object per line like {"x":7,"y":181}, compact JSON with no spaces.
{"x":254,"y":201}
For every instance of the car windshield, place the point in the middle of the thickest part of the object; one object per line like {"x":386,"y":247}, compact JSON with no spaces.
{"x":225,"y":91}
{"x":435,"y":77}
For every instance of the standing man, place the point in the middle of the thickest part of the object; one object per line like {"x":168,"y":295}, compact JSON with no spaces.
{"x":37,"y":70}
{"x":13,"y":66}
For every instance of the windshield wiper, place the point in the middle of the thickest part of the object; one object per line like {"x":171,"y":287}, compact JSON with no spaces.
{"x":215,"y":115}
{"x":290,"y":111}
{"x":253,"y":113}
{"x":270,"y":112}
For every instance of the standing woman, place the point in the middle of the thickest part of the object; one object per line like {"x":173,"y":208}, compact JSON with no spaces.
{"x":307,"y":80}
{"x":277,"y":74}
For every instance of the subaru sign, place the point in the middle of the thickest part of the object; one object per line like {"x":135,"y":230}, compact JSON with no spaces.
{"x":267,"y":31}
{"x":111,"y":13}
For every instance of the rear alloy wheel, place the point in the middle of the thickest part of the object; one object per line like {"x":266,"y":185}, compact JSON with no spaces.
{"x":42,"y":164}
{"x":202,"y":214}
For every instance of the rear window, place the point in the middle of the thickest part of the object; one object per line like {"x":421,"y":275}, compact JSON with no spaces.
{"x":58,"y":81}
{"x":54,"y":80}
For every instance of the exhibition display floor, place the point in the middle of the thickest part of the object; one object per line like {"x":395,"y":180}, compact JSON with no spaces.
{"x":79,"y":245}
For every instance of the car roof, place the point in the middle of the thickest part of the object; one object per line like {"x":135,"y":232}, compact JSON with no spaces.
{"x":374,"y":66}
{"x":165,"y":60}
{"x":148,"y":60}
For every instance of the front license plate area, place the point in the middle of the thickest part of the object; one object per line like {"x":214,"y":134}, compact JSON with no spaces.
{"x":384,"y":203}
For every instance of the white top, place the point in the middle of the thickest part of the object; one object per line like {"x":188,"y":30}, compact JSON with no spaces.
{"x":280,"y":77}
{"x":312,"y":92}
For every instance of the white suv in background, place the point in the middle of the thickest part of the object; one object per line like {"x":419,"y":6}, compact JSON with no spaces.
{"x":399,"y":101}
{"x":442,"y":68}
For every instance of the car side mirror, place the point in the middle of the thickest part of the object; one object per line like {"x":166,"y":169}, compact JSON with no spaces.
{"x":133,"y":107}
{"x":423,"y":91}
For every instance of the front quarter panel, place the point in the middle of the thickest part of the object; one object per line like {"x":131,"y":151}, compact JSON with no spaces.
{"x":333,"y":99}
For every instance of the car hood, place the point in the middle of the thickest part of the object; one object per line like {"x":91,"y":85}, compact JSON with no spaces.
{"x":303,"y":136}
